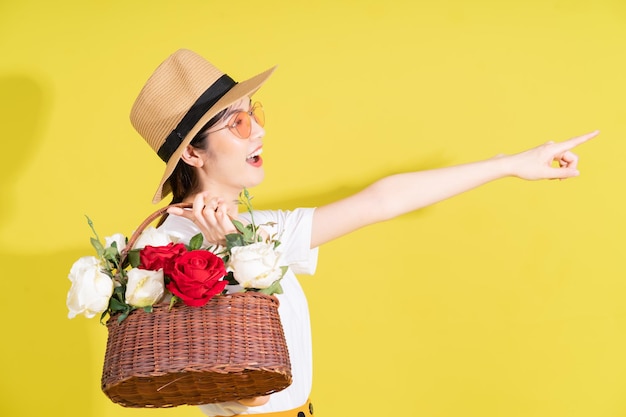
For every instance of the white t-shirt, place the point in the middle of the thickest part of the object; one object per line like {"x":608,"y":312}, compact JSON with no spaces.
{"x":293,"y":229}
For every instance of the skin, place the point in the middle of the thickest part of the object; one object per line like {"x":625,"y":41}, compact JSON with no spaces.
{"x":224,"y":170}
{"x":255,"y":402}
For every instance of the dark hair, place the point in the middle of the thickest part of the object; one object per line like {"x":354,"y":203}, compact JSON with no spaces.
{"x":183,"y":180}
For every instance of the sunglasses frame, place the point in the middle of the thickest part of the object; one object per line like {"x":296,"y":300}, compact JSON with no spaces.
{"x":232,"y":122}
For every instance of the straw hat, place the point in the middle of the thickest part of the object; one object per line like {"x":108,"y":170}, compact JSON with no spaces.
{"x":178,"y":99}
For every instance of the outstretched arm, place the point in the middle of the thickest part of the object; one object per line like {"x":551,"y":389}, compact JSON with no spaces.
{"x":398,"y":194}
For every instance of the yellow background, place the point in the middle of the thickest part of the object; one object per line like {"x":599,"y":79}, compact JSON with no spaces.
{"x":505,"y":301}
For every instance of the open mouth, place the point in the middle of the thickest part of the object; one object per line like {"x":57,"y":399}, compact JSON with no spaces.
{"x":255,"y":157}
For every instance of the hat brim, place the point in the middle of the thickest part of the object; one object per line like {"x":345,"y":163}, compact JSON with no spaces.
{"x":239,"y":91}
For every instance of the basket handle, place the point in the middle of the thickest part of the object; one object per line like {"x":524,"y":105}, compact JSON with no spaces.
{"x":144,"y":224}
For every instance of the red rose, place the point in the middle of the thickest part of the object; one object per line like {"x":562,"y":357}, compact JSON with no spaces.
{"x":157,"y":257}
{"x":196,"y":276}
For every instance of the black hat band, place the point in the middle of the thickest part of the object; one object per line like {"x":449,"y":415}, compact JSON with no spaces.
{"x":202,"y":105}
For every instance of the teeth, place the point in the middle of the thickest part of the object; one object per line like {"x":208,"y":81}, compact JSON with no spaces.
{"x":255,"y":153}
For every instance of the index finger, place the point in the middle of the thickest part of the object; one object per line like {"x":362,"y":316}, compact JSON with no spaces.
{"x":182,"y":212}
{"x":573,"y":142}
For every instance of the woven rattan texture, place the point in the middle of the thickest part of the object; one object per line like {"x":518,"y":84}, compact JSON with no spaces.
{"x":232,"y":348}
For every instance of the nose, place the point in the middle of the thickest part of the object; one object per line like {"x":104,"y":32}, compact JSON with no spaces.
{"x":257,"y":131}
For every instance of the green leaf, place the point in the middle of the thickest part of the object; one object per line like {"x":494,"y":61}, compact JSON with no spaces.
{"x":95,"y":241}
{"x":248,"y":234}
{"x":234,"y":239}
{"x":275,"y":288}
{"x":133,"y":257}
{"x":102,"y":316}
{"x":111,"y":253}
{"x":123,"y":316}
{"x":116,"y":305}
{"x":196,"y":242}
{"x":239,"y":226}
{"x":97,"y":246}
{"x":147,"y":309}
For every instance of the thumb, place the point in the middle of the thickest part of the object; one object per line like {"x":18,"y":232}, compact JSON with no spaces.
{"x":563,"y":173}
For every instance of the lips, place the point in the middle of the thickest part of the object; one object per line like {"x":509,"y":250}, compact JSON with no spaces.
{"x":254,"y":158}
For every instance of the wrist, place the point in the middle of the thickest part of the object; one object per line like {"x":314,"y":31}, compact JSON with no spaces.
{"x":503,"y":166}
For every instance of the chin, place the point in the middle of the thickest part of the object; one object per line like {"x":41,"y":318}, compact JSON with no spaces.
{"x":257,"y":180}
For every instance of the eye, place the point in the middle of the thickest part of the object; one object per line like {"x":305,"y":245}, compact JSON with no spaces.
{"x":238,"y":120}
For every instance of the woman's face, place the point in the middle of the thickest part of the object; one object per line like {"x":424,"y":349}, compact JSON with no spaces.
{"x":230,"y":161}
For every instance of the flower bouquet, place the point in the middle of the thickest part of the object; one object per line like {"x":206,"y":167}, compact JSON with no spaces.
{"x":176,"y":334}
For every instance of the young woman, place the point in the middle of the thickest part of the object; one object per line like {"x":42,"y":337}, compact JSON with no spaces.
{"x":209,"y":132}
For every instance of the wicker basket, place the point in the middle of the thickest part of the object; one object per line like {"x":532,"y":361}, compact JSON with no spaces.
{"x":232,"y":348}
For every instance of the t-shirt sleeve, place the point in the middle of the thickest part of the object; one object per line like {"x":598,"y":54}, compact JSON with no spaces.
{"x":293,"y":229}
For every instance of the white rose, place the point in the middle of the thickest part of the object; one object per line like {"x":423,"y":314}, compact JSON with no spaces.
{"x":256,"y":265}
{"x":91,"y":288}
{"x":152,"y":237}
{"x":144,"y":287}
{"x":119,"y":239}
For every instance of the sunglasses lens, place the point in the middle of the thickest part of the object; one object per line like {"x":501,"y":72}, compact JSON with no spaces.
{"x":241,"y":125}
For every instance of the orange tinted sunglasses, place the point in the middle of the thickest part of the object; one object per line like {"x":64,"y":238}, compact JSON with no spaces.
{"x":240,"y":123}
